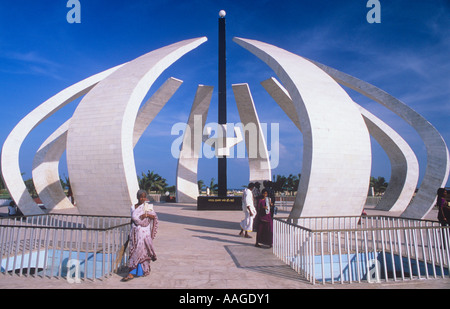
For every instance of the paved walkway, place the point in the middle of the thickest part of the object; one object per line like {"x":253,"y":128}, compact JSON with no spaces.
{"x":202,"y":250}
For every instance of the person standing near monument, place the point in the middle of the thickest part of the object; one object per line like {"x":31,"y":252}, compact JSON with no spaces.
{"x":264,"y":226}
{"x":249,"y":211}
{"x":443,"y":213}
{"x":443,"y":208}
{"x":144,"y":224}
{"x":268,"y":185}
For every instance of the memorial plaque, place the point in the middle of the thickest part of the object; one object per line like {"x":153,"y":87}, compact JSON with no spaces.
{"x":219,"y":203}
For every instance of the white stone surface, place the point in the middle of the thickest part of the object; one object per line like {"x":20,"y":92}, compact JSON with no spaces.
{"x":45,"y":172}
{"x":255,"y":142}
{"x":107,"y":125}
{"x":100,"y":155}
{"x":11,"y":148}
{"x":282,"y":98}
{"x":153,"y":106}
{"x":337,"y":149}
{"x":187,"y":186}
{"x":404,"y":164}
{"x":46,"y":161}
{"x":438,"y":161}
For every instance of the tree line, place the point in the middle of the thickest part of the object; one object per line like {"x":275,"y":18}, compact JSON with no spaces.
{"x":290,"y":183}
{"x":153,"y":182}
{"x":279,"y":184}
{"x":282,"y":183}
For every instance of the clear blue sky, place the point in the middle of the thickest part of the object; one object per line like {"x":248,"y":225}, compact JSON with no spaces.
{"x":407,"y":55}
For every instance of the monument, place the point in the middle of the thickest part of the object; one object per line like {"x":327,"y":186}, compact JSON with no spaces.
{"x":221,"y":201}
{"x":100,"y":136}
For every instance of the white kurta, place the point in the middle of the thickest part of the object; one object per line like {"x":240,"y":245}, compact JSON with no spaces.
{"x":247,"y":202}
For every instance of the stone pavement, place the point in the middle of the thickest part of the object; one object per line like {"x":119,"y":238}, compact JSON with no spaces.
{"x":202,"y":250}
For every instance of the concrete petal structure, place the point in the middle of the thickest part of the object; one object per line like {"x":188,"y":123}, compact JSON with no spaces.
{"x":282,"y":98}
{"x":46,"y":161}
{"x":46,"y":177}
{"x":187,"y":186}
{"x":153,"y":106}
{"x":255,"y":143}
{"x":438,"y":160}
{"x":11,"y":148}
{"x":337,"y":148}
{"x":108,"y":123}
{"x":404,"y":165}
{"x":100,"y":157}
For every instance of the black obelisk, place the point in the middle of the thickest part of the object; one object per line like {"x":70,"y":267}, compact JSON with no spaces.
{"x":222,"y":160}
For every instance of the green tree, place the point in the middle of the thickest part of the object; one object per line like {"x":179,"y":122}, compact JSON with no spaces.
{"x":152,"y":182}
{"x":379,"y":184}
{"x":171,"y":189}
{"x":213,"y":186}
{"x":292,"y":182}
{"x":279,"y":183}
{"x":282,"y":183}
{"x":30,"y":187}
{"x":201,"y":185}
{"x":65,"y":183}
{"x":2,"y":184}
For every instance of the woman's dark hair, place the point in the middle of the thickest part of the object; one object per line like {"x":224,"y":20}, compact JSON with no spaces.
{"x":440,"y":192}
{"x":264,"y":190}
{"x":140,"y":192}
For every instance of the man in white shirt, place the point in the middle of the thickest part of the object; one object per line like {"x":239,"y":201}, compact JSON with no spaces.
{"x":249,"y":210}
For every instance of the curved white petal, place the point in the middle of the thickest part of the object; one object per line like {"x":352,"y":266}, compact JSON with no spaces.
{"x":100,"y":157}
{"x":11,"y":148}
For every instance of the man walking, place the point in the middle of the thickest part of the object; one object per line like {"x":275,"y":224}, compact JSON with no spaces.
{"x":249,"y":211}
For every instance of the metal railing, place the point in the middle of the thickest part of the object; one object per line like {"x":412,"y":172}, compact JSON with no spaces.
{"x":366,"y":249}
{"x":63,"y":246}
{"x":373,"y":200}
{"x":284,"y":205}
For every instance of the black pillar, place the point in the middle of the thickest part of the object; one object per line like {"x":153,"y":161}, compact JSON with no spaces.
{"x":222,"y":160}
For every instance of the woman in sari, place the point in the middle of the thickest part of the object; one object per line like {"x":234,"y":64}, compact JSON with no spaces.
{"x":263,"y":220}
{"x":443,"y":209}
{"x":443,"y":213}
{"x":144,"y":223}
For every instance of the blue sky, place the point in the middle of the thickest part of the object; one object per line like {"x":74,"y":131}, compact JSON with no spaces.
{"x":407,"y":55}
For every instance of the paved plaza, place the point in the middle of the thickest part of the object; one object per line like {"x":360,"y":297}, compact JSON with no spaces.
{"x":202,"y":250}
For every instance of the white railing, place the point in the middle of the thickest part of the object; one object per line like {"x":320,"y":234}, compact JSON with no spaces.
{"x":283,"y":204}
{"x":62,"y":246}
{"x":369,"y":249}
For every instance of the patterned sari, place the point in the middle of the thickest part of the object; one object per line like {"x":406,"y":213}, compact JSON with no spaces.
{"x":264,"y":224}
{"x":141,"y":240}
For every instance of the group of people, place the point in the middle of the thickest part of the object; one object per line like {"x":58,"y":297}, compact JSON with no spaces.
{"x":258,"y":207}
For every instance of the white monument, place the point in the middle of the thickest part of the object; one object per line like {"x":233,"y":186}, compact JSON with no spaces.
{"x":107,"y":124}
